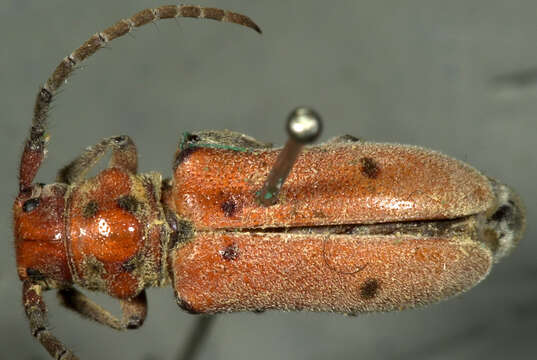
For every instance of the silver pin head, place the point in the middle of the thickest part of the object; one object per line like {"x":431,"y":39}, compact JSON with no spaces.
{"x":304,"y":125}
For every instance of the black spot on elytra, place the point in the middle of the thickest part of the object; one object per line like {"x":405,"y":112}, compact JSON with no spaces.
{"x":231,"y":252}
{"x":91,"y":209}
{"x":128,"y":203}
{"x":34,"y":274}
{"x":30,"y":205}
{"x":369,"y":288}
{"x":369,"y":167}
{"x":183,"y":155}
{"x":229,"y":207}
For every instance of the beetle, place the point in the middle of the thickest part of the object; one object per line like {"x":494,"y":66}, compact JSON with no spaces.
{"x":347,"y":226}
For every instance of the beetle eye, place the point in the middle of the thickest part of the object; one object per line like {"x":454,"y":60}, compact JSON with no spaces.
{"x":34,"y":274}
{"x":30,"y":204}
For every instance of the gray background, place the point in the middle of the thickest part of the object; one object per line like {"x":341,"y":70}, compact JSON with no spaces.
{"x":456,"y":76}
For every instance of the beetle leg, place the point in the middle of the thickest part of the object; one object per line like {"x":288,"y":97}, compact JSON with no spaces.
{"x":197,"y":337}
{"x":80,"y":303}
{"x":124,"y":156}
{"x":134,"y":310}
{"x":36,"y":311}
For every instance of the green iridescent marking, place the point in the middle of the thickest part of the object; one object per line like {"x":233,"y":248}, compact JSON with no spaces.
{"x":183,"y":141}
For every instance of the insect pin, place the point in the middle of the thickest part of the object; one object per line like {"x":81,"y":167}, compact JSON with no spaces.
{"x":346,"y":226}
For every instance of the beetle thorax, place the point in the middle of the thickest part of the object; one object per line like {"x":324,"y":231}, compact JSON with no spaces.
{"x":115,"y":232}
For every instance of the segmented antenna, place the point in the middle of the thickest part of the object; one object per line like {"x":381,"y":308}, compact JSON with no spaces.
{"x":35,"y":147}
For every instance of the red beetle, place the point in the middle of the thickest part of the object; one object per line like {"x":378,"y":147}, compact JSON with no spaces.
{"x":347,"y":226}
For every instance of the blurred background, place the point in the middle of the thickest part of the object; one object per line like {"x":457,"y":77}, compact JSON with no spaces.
{"x":456,"y":76}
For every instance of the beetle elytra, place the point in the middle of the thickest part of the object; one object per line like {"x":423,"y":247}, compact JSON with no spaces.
{"x":346,"y":226}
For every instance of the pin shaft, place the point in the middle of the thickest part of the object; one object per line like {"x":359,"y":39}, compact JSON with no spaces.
{"x":303,"y":126}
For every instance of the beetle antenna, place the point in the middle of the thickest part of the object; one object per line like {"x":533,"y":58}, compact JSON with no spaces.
{"x":303,"y":127}
{"x":35,"y":146}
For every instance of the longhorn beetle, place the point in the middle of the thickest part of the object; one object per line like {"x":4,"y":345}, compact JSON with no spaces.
{"x":347,"y":226}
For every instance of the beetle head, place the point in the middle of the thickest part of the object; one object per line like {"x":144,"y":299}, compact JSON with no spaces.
{"x":39,"y":229}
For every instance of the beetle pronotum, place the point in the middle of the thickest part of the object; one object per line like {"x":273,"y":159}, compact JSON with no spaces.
{"x":347,"y":226}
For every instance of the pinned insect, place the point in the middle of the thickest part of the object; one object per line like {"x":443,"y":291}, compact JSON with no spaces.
{"x":347,"y":226}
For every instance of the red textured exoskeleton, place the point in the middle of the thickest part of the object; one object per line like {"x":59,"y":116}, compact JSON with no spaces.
{"x":347,"y":226}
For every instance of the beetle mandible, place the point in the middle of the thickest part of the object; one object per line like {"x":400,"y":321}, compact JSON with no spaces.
{"x":347,"y":226}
